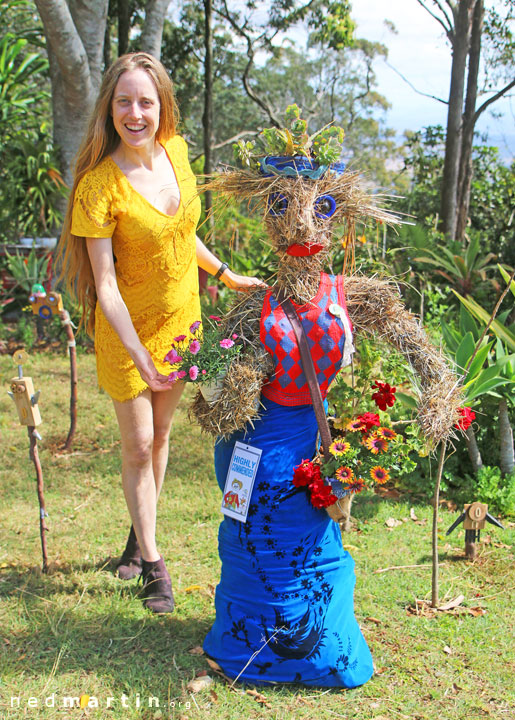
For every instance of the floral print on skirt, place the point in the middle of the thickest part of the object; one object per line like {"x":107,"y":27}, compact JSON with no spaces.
{"x":284,"y":604}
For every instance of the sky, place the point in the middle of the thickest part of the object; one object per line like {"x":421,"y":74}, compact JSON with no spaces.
{"x":420,"y":51}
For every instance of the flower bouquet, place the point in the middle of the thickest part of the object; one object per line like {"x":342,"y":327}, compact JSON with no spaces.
{"x":203,"y":357}
{"x":367,"y":453}
{"x":363,"y":455}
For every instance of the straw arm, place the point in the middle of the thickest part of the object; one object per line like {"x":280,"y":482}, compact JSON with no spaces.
{"x":375,"y":307}
{"x":240,"y":397}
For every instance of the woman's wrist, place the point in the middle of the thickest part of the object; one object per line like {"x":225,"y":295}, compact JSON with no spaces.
{"x":221,"y":270}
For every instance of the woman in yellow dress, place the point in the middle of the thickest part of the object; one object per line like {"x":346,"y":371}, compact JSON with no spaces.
{"x":130,"y":254}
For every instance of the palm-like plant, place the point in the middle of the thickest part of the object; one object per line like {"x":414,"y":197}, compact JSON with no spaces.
{"x":462,"y":267}
{"x":491,"y":371}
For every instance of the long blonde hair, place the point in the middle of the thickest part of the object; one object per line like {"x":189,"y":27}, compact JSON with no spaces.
{"x":100,"y":140}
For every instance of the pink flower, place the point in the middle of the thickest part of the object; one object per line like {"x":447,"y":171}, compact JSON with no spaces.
{"x":204,"y":372}
{"x":173,"y":376}
{"x":193,"y":372}
{"x":179,"y":338}
{"x":234,"y":336}
{"x":181,"y":374}
{"x":194,"y":326}
{"x":194,"y":347}
{"x":226,"y":343}
{"x":172,"y":357}
{"x":215,"y":318}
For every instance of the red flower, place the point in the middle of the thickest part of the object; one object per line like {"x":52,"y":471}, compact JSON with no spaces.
{"x":467,"y":416}
{"x":385,"y":395}
{"x":369,"y":420}
{"x":305,"y":473}
{"x":321,"y":495}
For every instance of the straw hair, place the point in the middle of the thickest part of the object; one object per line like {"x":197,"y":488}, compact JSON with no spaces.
{"x":298,"y":277}
{"x":100,"y":140}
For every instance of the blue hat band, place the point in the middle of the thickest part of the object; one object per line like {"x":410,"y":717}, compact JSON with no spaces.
{"x":295,"y":166}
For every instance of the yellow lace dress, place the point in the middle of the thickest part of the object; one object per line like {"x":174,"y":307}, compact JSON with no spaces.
{"x":155,"y":262}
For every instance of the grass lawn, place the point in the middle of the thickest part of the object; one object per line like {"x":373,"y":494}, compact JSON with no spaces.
{"x":80,"y":631}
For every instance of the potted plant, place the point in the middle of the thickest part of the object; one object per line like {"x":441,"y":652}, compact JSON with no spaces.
{"x":203,"y":357}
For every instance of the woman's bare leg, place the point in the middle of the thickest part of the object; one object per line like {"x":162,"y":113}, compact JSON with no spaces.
{"x":145,"y":424}
{"x":135,"y":419}
{"x":164,"y":405}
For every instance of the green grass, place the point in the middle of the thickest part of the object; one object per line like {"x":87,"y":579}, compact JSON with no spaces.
{"x":80,"y":631}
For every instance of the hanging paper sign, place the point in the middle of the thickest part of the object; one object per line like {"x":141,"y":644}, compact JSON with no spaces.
{"x":240,"y":481}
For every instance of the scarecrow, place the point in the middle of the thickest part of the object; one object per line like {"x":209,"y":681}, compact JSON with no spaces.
{"x":284,"y":605}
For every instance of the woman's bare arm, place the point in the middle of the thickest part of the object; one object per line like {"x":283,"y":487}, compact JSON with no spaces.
{"x":209,"y":262}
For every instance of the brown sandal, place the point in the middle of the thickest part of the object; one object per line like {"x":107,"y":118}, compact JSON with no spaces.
{"x":157,"y":587}
{"x":130,"y":564}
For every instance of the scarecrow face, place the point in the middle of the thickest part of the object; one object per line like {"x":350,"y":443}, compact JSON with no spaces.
{"x":301,"y":213}
{"x":298,"y":217}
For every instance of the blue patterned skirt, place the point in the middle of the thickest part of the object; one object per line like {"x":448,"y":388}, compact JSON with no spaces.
{"x":284,"y":604}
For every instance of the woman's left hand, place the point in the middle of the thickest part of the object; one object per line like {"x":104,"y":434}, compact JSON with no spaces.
{"x":240,"y":282}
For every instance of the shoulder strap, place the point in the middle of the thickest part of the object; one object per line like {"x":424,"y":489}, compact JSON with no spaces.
{"x":309,"y":371}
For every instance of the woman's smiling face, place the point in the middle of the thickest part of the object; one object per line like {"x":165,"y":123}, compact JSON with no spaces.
{"x":135,"y":109}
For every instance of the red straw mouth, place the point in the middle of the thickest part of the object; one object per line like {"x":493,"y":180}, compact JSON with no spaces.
{"x":298,"y":250}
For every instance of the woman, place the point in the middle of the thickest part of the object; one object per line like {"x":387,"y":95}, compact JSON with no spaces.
{"x":130,"y":254}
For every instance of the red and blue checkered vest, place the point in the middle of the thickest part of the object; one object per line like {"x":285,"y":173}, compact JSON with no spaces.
{"x":326,"y":337}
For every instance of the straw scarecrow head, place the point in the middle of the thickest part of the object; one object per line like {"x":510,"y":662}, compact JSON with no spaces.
{"x":304,"y":193}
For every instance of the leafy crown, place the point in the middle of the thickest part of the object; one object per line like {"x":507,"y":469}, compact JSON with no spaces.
{"x":324,"y":146}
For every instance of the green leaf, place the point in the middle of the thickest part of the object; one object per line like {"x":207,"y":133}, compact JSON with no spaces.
{"x":506,"y":275}
{"x":451,"y":336}
{"x":486,"y":388}
{"x":407,"y":400}
{"x":478,"y":362}
{"x":460,"y":265}
{"x":467,"y":323}
{"x":465,"y":350}
{"x":472,"y":251}
{"x":500,"y":330}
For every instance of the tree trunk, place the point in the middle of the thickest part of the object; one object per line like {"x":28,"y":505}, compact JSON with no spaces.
{"x":75,"y":35}
{"x":460,"y":48}
{"x":123,"y":27}
{"x":469,"y":121}
{"x":152,"y":33}
{"x":207,"y":117}
{"x":506,"y":454}
{"x":75,"y":41}
{"x":107,"y":43}
{"x":473,"y":450}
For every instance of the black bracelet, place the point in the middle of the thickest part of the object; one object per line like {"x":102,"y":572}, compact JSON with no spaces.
{"x":223,"y":267}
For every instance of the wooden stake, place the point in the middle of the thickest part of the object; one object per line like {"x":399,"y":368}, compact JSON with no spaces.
{"x":72,"y":350}
{"x":436,"y":500}
{"x":34,"y":456}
